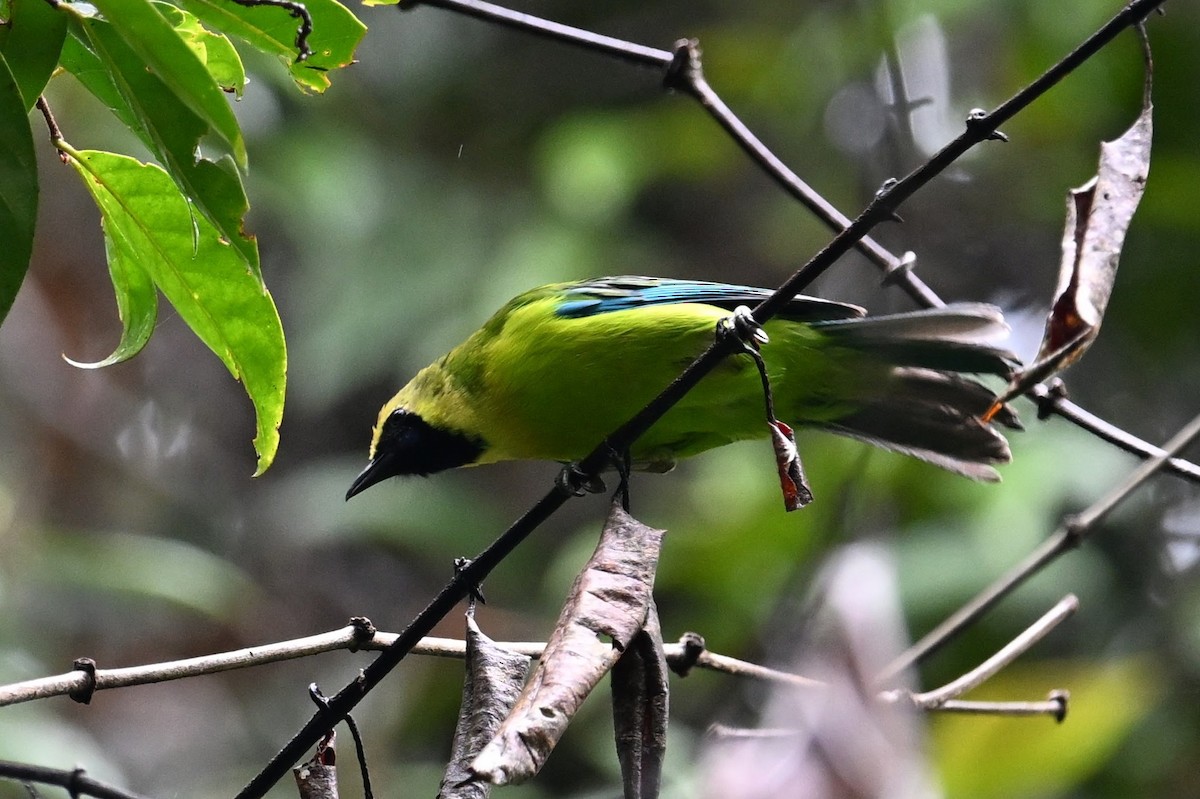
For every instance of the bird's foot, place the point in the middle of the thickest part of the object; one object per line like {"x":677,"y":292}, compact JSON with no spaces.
{"x":577,"y":483}
{"x":476,"y":590}
{"x":742,"y":326}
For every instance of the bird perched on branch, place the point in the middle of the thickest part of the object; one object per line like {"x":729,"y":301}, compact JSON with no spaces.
{"x":561,"y":366}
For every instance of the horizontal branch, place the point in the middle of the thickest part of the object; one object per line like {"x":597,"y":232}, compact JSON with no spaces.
{"x":356,"y":636}
{"x":361,"y":635}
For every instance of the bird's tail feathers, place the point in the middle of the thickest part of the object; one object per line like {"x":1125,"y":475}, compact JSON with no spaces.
{"x":935,"y":417}
{"x":951,"y":338}
{"x":925,"y":409}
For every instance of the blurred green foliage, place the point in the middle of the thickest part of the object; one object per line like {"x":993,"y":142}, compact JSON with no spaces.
{"x":457,"y":164}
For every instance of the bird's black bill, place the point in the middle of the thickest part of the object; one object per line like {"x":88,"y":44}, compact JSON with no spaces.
{"x":379,"y":469}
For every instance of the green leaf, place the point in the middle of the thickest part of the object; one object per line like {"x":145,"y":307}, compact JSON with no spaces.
{"x":149,"y":34}
{"x":31,"y":42}
{"x":137,"y":301}
{"x":18,"y":189}
{"x":79,"y":59}
{"x":201,"y":275}
{"x":215,"y":50}
{"x":336,"y":33}
{"x":111,"y":71}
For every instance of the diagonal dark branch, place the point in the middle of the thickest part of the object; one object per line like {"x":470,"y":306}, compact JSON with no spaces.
{"x":883,"y":207}
{"x":682,"y":72}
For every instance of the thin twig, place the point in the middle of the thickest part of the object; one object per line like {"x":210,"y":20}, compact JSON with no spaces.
{"x":883,"y":207}
{"x":64,"y":684}
{"x":350,"y":637}
{"x":1051,"y":399}
{"x":51,"y":126}
{"x":527,"y":23}
{"x":297,"y":11}
{"x":1055,"y":706}
{"x":1069,"y":535}
{"x":1065,"y":608}
{"x":76,"y":781}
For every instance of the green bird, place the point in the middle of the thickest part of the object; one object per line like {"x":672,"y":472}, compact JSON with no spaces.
{"x":561,"y":366}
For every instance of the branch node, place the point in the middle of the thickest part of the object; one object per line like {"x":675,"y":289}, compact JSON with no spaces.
{"x":75,"y":785}
{"x":900,"y":269}
{"x":1047,"y":400}
{"x":364,"y":631}
{"x":684,"y":70}
{"x":881,"y":197}
{"x":1061,"y":698}
{"x":1074,"y":531}
{"x":979,"y":118}
{"x":84,"y":693}
{"x":693,"y":647}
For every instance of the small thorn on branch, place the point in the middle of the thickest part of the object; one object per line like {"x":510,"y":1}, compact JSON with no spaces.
{"x":979,"y":118}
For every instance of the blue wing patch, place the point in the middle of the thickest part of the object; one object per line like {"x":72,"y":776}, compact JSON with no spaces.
{"x":607,"y":294}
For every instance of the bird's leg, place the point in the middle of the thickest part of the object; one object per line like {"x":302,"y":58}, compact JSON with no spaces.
{"x":749,"y":334}
{"x":623,"y":462}
{"x":742,"y":327}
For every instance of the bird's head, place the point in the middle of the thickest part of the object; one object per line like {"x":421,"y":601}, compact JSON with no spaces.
{"x":404,"y":443}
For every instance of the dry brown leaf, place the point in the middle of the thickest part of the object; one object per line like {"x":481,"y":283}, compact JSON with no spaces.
{"x":792,"y":482}
{"x":639,"y":696}
{"x":493,"y":682}
{"x":1098,"y":217}
{"x":606,"y":608}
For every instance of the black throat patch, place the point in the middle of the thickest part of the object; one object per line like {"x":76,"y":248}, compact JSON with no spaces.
{"x":410,"y":445}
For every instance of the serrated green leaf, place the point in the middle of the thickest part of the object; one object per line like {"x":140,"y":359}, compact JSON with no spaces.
{"x":111,"y":71}
{"x":137,"y":302}
{"x":213,"y":49}
{"x":150,"y":35}
{"x":30,"y":43}
{"x":18,"y":189}
{"x":336,"y":34}
{"x":200,"y":274}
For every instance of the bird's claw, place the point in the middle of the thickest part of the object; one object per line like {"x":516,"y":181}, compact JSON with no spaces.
{"x":475,"y":593}
{"x":578,"y":483}
{"x":742,"y":325}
